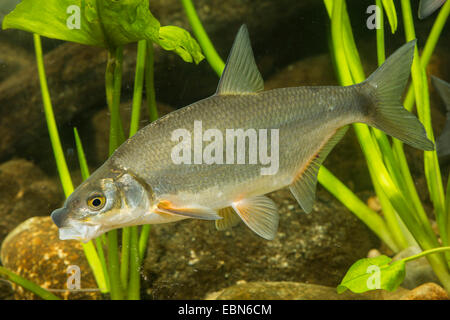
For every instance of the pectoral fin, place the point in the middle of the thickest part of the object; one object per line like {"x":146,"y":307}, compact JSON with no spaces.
{"x":260,"y":214}
{"x":197,"y":212}
{"x":304,"y":185}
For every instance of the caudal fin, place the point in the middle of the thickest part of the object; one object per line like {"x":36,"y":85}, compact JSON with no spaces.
{"x":387,"y":84}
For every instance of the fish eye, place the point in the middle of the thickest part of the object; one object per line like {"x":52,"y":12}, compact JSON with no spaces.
{"x":96,"y":202}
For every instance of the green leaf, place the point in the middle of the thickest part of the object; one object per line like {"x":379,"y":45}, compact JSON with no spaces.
{"x":127,"y":21}
{"x":27,"y":284}
{"x":373,"y":273}
{"x":181,"y":42}
{"x":104,"y":23}
{"x":391,"y":14}
{"x":51,"y":19}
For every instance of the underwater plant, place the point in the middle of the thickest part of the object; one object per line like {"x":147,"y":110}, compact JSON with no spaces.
{"x":404,"y":223}
{"x":111,"y":25}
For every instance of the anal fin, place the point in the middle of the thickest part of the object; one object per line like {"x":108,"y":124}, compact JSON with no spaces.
{"x":197,"y":212}
{"x":260,"y":214}
{"x":304,"y":185}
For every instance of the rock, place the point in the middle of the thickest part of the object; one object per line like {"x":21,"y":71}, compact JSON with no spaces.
{"x":6,"y":290}
{"x":294,"y":291}
{"x":427,"y":291}
{"x":76,"y":81}
{"x":14,"y":59}
{"x":34,"y":251}
{"x":189,"y":258}
{"x":373,"y":253}
{"x":418,"y":271}
{"x":25,"y":192}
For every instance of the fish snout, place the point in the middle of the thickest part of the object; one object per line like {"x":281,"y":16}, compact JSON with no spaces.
{"x":59,"y":217}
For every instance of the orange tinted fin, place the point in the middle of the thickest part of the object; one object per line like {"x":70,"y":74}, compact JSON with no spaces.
{"x":260,"y":214}
{"x":304,"y":185}
{"x":229,"y":219}
{"x":197,"y":212}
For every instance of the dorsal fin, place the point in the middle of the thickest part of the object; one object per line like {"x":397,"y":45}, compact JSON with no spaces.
{"x":241,"y":75}
{"x":304,"y":185}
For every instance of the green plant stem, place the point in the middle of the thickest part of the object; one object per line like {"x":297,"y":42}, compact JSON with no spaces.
{"x":66,"y":180}
{"x":143,"y":241}
{"x":29,"y":285}
{"x":114,"y":59}
{"x":113,"y":266}
{"x":58,"y":152}
{"x":125,"y":258}
{"x":153,"y":114}
{"x":115,"y":138}
{"x":134,"y":285}
{"x":429,"y":47}
{"x":425,"y":253}
{"x":130,"y":253}
{"x":354,"y":204}
{"x":432,"y":170}
{"x":421,"y":232}
{"x":85,"y":174}
{"x":138,"y":86}
{"x":150,"y":83}
{"x":81,"y":155}
{"x":205,"y":43}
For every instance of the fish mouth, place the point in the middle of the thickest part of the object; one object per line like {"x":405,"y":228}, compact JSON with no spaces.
{"x":75,"y":230}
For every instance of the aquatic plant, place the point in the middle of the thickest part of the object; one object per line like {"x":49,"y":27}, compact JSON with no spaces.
{"x":404,"y":222}
{"x":111,"y":25}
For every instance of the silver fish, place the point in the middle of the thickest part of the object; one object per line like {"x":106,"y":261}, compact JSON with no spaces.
{"x":427,"y":7}
{"x":443,"y":142}
{"x":141,"y":184}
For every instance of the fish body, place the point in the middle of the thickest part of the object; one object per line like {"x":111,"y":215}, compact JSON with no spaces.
{"x":443,"y":142}
{"x":143,"y":183}
{"x":427,"y":7}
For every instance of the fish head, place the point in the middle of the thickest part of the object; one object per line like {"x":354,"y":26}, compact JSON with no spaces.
{"x":107,"y":200}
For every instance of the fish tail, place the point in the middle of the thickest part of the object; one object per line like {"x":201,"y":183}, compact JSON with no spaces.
{"x":386,"y":112}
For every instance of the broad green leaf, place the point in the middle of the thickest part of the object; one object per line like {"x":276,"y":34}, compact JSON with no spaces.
{"x":373,"y":273}
{"x":180,"y":41}
{"x":127,"y":21}
{"x":391,"y":14}
{"x":58,"y":19}
{"x":104,"y":23}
